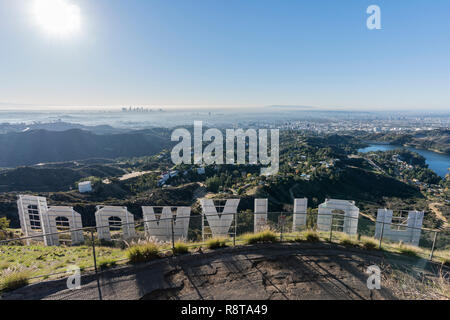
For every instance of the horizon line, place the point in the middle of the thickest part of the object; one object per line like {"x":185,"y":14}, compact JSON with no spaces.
{"x":20,"y":107}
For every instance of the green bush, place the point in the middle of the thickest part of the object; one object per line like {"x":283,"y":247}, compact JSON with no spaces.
{"x":4,"y":265}
{"x":311,"y":236}
{"x":213,"y":184}
{"x":261,"y":237}
{"x":142,"y":252}
{"x":369,"y":244}
{"x":105,"y":263}
{"x":216,"y":243}
{"x":102,"y":243}
{"x":11,"y":280}
{"x":180,"y":248}
{"x":408,"y":250}
{"x":347,"y":241}
{"x":4,"y":223}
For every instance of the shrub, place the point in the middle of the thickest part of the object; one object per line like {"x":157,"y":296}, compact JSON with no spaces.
{"x":311,"y":236}
{"x":442,"y":285}
{"x":105,"y":263}
{"x":4,"y":265}
{"x":83,"y":266}
{"x":137,"y":242}
{"x":408,"y":250}
{"x":347,"y":241}
{"x":100,"y":243}
{"x":4,"y":223}
{"x":142,"y":252}
{"x":216,"y":243}
{"x":213,"y":184}
{"x":261,"y":237}
{"x":369,"y":244}
{"x":180,"y":248}
{"x":11,"y":279}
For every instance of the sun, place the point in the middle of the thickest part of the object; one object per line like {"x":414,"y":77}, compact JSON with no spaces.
{"x":57,"y":17}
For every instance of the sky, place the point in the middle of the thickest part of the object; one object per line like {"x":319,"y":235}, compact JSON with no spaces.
{"x":228,"y":53}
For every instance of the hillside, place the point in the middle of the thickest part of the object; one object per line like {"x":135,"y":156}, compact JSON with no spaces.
{"x":56,"y":126}
{"x":37,"y":146}
{"x":50,"y":179}
{"x":110,"y":194}
{"x":351,"y":183}
{"x":435,"y":140}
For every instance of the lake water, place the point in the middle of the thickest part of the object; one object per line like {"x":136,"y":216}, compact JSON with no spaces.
{"x":439,"y":163}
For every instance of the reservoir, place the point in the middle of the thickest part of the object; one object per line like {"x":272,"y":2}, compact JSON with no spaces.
{"x":438,"y":162}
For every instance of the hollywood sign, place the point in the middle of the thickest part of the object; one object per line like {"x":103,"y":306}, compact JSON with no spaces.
{"x":168,"y":223}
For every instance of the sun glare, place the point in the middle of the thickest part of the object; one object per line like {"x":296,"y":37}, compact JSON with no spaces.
{"x":57,"y":17}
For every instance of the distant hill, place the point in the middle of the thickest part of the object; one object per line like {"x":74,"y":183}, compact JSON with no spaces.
{"x":38,"y":146}
{"x":50,"y":179}
{"x":57,"y":126}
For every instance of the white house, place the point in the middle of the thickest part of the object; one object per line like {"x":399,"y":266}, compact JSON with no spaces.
{"x":84,"y":186}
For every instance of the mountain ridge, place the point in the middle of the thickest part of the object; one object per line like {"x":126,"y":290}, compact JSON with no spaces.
{"x":39,"y":146}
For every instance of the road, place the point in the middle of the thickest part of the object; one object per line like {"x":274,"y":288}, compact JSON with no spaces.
{"x":373,"y":164}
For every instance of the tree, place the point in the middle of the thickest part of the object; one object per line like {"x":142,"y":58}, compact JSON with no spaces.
{"x":213,"y":184}
{"x":446,"y":181}
{"x":4,"y":223}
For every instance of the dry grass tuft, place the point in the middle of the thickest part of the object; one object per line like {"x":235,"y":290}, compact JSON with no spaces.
{"x":13,"y":278}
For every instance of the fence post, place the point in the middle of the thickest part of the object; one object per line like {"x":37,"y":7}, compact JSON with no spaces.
{"x":203,"y":226}
{"x":281,"y":229}
{"x":235,"y":228}
{"x":95,"y":265}
{"x":173,"y":235}
{"x":331,"y":228}
{"x":434,"y":243}
{"x":381,"y":236}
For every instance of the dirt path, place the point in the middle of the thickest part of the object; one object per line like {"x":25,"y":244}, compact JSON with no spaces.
{"x":435,"y":208}
{"x":199,"y":192}
{"x":134,"y":174}
{"x":291,"y":193}
{"x":373,"y":164}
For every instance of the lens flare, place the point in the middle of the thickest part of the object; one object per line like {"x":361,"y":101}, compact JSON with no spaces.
{"x":57,"y":17}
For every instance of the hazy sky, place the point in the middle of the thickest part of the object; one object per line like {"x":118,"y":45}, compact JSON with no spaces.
{"x":228,"y":52}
